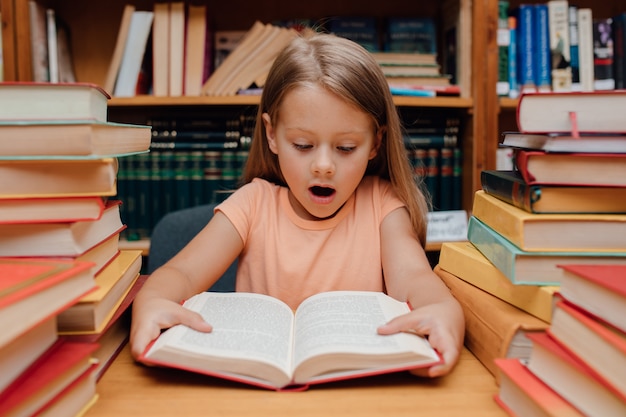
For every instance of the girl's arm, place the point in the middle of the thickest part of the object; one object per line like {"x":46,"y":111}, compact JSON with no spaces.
{"x":409,"y":277}
{"x":194,"y":269}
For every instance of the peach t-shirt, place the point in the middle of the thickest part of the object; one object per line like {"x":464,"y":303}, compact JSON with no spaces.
{"x":291,"y":258}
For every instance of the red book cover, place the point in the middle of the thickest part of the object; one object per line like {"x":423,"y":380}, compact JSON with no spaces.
{"x":603,"y":169}
{"x":47,"y":377}
{"x":555,"y":352}
{"x":22,"y":277}
{"x":611,"y":277}
{"x":521,"y":391}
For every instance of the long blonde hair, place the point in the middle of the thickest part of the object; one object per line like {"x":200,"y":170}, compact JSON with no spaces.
{"x":349,"y":71}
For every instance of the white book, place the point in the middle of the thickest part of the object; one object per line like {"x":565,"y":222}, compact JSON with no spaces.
{"x":585,"y":48}
{"x":53,"y":54}
{"x":140,"y":26}
{"x":558,"y":12}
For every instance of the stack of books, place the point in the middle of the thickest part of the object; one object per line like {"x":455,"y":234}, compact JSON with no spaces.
{"x":524,"y":225}
{"x":577,"y":365}
{"x":66,"y":284}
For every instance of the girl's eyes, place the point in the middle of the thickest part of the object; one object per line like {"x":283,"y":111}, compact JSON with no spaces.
{"x":304,"y":147}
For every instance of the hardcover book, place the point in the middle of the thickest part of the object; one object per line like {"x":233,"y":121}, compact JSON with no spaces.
{"x":118,"y":51}
{"x":72,"y":177}
{"x":43,"y":386}
{"x":600,"y":346}
{"x":581,"y":169}
{"x":531,"y":268}
{"x":463,"y":260}
{"x":33,"y":290}
{"x":70,"y":137}
{"x":50,"y":210}
{"x":26,"y":101}
{"x":523,"y":394}
{"x":60,"y":239}
{"x":571,"y":378}
{"x":598,"y":289}
{"x":571,"y":112}
{"x":93,"y":311}
{"x":585,"y":143}
{"x":551,"y":232}
{"x":493,"y":327}
{"x":289,"y":351}
{"x":509,"y":186}
{"x":561,"y":73}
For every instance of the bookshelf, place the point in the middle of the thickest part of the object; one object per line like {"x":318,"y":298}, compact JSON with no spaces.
{"x":94,"y":25}
{"x":506,"y":114}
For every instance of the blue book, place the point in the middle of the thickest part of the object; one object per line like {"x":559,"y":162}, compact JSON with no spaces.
{"x":411,"y":34}
{"x":541,"y":46}
{"x":530,"y":268}
{"x":362,"y":30}
{"x":513,"y":84}
{"x":525,"y":51}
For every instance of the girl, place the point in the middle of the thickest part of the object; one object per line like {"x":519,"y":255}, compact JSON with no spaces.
{"x":329,"y":202}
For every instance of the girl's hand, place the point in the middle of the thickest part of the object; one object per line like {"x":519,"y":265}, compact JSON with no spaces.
{"x":431,"y":321}
{"x":152,"y":315}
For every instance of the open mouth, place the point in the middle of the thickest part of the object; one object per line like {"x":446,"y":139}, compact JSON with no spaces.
{"x":322,"y":191}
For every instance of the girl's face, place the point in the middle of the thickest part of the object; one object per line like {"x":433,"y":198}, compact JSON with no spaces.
{"x":323,"y":144}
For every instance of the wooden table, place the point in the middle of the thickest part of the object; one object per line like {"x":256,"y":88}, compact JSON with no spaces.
{"x":129,"y":389}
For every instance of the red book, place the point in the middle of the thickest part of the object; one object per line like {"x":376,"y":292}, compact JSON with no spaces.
{"x":47,"y":380}
{"x":574,"y":380}
{"x":32,"y":290}
{"x":522,"y":394}
{"x":569,"y":112}
{"x":538,"y":167}
{"x":50,"y":210}
{"x":600,"y":290}
{"x":599,"y":346}
{"x":60,"y":239}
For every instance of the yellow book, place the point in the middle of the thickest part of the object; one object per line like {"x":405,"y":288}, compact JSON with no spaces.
{"x":466,"y":262}
{"x":93,"y":312}
{"x":551,"y":232}
{"x":493,"y":327}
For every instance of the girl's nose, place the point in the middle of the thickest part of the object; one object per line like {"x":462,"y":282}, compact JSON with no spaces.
{"x":323,"y":162}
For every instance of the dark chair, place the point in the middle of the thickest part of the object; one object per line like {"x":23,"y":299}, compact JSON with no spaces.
{"x":174,"y":230}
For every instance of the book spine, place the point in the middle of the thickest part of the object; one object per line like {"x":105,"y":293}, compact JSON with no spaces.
{"x":573,"y":46}
{"x":488,"y":243}
{"x":405,"y":34}
{"x":430,"y":141}
{"x":196,"y":178}
{"x":212,"y":175}
{"x":53,"y":55}
{"x":513,"y":60}
{"x":585,"y":49}
{"x":457,"y":179}
{"x":560,"y":45}
{"x":604,"y":78}
{"x":503,"y":40}
{"x":525,"y":55}
{"x":144,"y":196}
{"x":619,"y":57}
{"x":432,"y":175}
{"x":541,"y":46}
{"x":362,"y":30}
{"x":445,"y":180}
{"x":513,"y":192}
{"x":182,"y":167}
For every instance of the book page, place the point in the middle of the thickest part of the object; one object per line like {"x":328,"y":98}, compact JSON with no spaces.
{"x":246,"y":327}
{"x":343,"y":324}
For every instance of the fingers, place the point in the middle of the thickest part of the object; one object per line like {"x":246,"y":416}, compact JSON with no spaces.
{"x":143,"y":333}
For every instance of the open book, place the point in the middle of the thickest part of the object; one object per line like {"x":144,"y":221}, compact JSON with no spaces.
{"x":258,"y":340}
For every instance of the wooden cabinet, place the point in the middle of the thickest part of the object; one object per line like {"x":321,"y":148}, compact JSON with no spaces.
{"x":94,"y":25}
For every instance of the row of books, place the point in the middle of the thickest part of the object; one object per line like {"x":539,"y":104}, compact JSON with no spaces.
{"x":173,"y":50}
{"x":66,"y":286}
{"x":558,"y":46}
{"x":165,"y":180}
{"x":531,"y":235}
